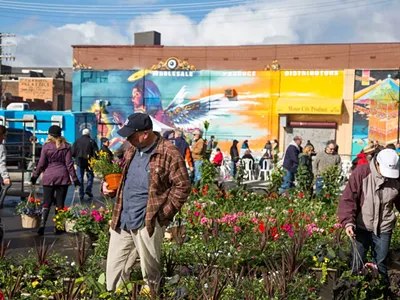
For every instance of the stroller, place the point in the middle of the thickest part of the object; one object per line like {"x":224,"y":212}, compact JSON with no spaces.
{"x":3,"y":192}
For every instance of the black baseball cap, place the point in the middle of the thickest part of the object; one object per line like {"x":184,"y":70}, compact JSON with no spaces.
{"x":136,"y":122}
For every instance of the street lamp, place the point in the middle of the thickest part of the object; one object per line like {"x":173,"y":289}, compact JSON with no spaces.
{"x":398,"y":106}
{"x":61,"y":75}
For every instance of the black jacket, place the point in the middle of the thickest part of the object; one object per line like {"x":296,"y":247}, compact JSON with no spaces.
{"x":234,"y":153}
{"x":83,"y":149}
{"x":105,"y":149}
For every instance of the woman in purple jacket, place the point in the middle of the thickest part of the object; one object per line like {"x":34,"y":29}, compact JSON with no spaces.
{"x":57,"y":167}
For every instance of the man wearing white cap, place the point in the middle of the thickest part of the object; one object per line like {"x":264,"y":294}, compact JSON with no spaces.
{"x":366,"y":207}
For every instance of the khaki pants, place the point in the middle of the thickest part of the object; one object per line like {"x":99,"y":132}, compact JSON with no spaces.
{"x":125,"y":247}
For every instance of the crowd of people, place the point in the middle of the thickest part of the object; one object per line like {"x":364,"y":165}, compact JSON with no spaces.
{"x":156,"y":183}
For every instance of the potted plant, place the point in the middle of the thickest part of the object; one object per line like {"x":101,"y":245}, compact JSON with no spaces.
{"x":30,"y":211}
{"x":107,"y":169}
{"x":66,"y":218}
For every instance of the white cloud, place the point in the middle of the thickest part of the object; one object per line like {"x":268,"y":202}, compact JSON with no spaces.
{"x":52,"y":47}
{"x":260,"y":23}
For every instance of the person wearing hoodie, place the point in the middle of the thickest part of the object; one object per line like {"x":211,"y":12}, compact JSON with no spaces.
{"x":323,"y":161}
{"x":234,"y":153}
{"x":183,"y":148}
{"x":57,"y":167}
{"x":291,"y":163}
{"x":361,"y":159}
{"x":366,"y":208}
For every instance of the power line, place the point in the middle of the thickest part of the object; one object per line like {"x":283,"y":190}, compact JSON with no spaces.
{"x":193,"y":13}
{"x":144,"y":6}
{"x":356,"y":5}
{"x":136,"y":12}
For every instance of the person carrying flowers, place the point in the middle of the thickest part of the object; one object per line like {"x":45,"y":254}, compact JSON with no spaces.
{"x":366,"y":208}
{"x":154,"y":186}
{"x":57,"y":167}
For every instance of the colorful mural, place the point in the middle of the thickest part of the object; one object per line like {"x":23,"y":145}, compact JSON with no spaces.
{"x":375,"y":114}
{"x":238,"y":104}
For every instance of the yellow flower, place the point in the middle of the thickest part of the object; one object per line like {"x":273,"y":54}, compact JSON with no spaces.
{"x":35,"y":283}
{"x":118,"y":291}
{"x":314,"y":258}
{"x":93,"y":206}
{"x":326,"y":259}
{"x":57,"y":217}
{"x":54,"y":219}
{"x":82,"y":291}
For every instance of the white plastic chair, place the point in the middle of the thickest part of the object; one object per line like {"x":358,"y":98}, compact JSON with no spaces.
{"x":266,"y":169}
{"x":248,"y":168}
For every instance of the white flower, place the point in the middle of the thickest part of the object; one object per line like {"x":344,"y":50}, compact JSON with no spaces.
{"x":72,"y":264}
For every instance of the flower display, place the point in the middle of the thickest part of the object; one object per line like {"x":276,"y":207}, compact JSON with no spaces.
{"x":31,"y":207}
{"x":102,"y":165}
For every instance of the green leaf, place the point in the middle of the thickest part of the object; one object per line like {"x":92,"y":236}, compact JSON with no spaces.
{"x":102,"y":278}
{"x":331,"y":254}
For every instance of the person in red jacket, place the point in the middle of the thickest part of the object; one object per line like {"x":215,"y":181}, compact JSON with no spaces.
{"x":218,"y":158}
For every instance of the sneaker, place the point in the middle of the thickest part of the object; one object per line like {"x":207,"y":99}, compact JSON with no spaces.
{"x":90,"y":195}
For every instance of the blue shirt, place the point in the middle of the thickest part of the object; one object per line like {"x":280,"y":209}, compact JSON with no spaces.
{"x":136,"y":189}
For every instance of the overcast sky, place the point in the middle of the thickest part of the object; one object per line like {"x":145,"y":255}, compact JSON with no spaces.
{"x":46,"y":29}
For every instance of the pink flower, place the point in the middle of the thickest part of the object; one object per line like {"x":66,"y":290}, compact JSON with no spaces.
{"x":236,"y":229}
{"x":204,"y":221}
{"x":83,"y":212}
{"x":337,"y":225}
{"x":288,"y":229}
{"x":98,"y":218}
{"x":196,"y":213}
{"x":254,"y":221}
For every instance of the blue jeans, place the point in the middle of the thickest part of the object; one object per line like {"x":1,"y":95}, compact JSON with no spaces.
{"x":197,"y":170}
{"x":319,"y":183}
{"x":288,"y":182}
{"x":379,"y":249}
{"x":233,"y":168}
{"x":80,"y":172}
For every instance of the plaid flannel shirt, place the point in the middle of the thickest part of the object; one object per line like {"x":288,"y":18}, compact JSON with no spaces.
{"x":169,"y":185}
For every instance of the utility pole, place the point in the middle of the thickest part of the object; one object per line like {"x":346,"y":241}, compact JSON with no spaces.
{"x":7,"y":56}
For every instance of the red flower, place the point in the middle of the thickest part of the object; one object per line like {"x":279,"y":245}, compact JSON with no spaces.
{"x":274,"y":195}
{"x":290,"y":211}
{"x":301,"y":195}
{"x":2,"y":296}
{"x":194,"y":191}
{"x":261,"y":227}
{"x":327,"y":196}
{"x":31,"y":199}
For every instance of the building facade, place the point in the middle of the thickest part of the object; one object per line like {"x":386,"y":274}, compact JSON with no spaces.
{"x":311,"y":90}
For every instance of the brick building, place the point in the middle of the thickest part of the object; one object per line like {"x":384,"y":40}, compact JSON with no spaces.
{"x":39,"y":87}
{"x":295,"y":57}
{"x":333,"y":96}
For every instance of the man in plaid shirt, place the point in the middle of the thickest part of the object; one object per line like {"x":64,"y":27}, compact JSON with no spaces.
{"x":154,"y":186}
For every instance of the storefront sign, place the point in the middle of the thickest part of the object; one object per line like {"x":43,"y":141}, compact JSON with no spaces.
{"x":309,"y":106}
{"x":36,"y":88}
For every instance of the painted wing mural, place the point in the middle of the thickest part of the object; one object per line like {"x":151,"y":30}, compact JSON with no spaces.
{"x":236,"y":105}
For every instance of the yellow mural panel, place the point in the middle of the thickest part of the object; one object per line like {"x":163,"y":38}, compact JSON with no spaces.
{"x":312,"y":84}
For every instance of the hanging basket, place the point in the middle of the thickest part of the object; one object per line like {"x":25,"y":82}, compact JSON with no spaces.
{"x":30,"y":221}
{"x":113,"y":181}
{"x":69,"y":225}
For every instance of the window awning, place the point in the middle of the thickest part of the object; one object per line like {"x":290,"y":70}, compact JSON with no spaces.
{"x":309,"y":106}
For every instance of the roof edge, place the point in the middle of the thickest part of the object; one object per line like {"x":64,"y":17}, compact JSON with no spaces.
{"x":230,"y":46}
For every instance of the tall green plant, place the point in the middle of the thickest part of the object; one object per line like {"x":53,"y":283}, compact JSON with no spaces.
{"x":331,"y":185}
{"x":304,"y":180}
{"x":206,"y":125}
